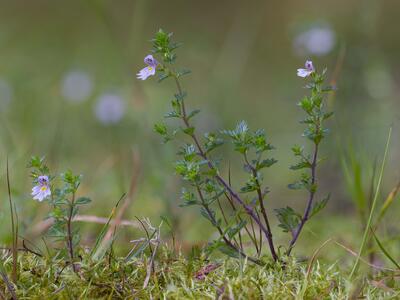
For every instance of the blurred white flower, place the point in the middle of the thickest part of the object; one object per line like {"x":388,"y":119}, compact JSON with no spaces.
{"x":76,"y":86}
{"x":109,"y":109}
{"x":318,"y":40}
{"x":6,"y":94}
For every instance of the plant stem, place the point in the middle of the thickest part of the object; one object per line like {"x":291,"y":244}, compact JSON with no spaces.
{"x":260,"y":198}
{"x":249,"y":209}
{"x":69,"y":232}
{"x":226,"y":240}
{"x":307,"y":211}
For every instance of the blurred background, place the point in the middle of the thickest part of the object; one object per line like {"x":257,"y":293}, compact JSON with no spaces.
{"x":68,"y":91}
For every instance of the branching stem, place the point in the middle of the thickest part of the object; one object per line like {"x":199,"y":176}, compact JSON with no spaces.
{"x":249,"y":209}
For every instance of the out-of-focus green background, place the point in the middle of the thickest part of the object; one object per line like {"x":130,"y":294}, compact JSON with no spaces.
{"x":68,"y":91}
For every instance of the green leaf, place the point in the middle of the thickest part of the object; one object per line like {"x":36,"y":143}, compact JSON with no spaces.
{"x":327,"y":115}
{"x":209,"y":215}
{"x":384,"y":251}
{"x":288,"y":218}
{"x":266,"y":163}
{"x":188,"y":199}
{"x":160,"y":129}
{"x":301,"y":165}
{"x":193,"y":113}
{"x":212,"y":142}
{"x":232,"y":231}
{"x":227,"y":250}
{"x":189,"y":130}
{"x":172,"y":114}
{"x":182,"y":72}
{"x":319,"y":205}
{"x":83,"y":201}
{"x":163,"y":76}
{"x":296,"y":185}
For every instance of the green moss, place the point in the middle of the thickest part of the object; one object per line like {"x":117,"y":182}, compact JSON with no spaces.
{"x":174,"y":277}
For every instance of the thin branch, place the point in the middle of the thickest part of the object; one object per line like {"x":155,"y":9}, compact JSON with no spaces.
{"x":308,"y":208}
{"x":69,"y":232}
{"x":226,"y":240}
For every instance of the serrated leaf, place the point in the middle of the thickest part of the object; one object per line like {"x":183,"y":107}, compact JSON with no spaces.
{"x":227,"y":250}
{"x":296,"y":185}
{"x":266,"y":163}
{"x":83,"y":200}
{"x":288,"y":218}
{"x":209,"y":215}
{"x":301,"y":165}
{"x":189,"y":130}
{"x":193,"y":113}
{"x":319,"y":205}
{"x":232,"y":231}
{"x":172,"y":114}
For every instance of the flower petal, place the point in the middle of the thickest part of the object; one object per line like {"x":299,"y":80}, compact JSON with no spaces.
{"x":303,"y":72}
{"x":150,"y":61}
{"x":146,"y":72}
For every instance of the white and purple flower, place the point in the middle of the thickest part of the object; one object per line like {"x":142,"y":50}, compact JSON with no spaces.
{"x":150,"y":70}
{"x":42,"y":190}
{"x":307,"y":71}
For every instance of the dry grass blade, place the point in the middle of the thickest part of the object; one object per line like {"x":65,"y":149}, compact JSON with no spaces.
{"x":13,"y":231}
{"x":150,"y":265}
{"x":355,"y":254}
{"x":309,"y":268}
{"x":389,"y":200}
{"x":46,"y":224}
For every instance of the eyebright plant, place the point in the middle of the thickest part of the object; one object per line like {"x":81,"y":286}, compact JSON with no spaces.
{"x":238,"y":215}
{"x":63,"y":201}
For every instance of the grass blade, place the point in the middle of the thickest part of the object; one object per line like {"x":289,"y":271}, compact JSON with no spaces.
{"x":371,"y":213}
{"x":97,"y":250}
{"x":384,"y":251}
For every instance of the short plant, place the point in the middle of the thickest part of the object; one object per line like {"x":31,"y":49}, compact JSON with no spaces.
{"x":63,"y":201}
{"x":238,"y":215}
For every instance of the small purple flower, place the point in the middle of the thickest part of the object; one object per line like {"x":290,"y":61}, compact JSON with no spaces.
{"x":42,"y":190}
{"x":150,"y":70}
{"x":309,"y":69}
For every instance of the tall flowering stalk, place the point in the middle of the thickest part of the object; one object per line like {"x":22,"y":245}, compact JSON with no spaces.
{"x":232,"y":212}
{"x":315,"y":131}
{"x":63,"y":201}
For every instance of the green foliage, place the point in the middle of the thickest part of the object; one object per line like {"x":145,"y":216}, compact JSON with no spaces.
{"x":217,"y":200}
{"x":288,"y":219}
{"x":63,"y":202}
